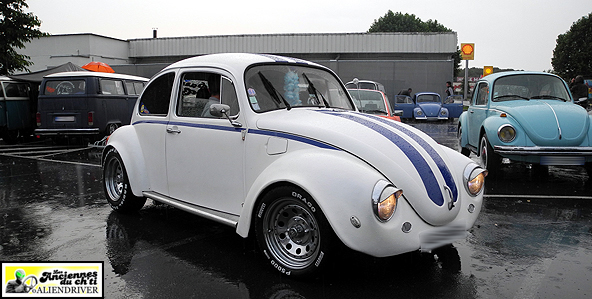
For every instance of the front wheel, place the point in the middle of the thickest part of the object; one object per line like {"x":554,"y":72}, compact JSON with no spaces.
{"x":116,"y":185}
{"x":489,"y":160}
{"x":292,"y":231}
{"x":463,"y":150}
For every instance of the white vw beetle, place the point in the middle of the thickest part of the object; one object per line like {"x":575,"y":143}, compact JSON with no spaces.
{"x":274,"y":147}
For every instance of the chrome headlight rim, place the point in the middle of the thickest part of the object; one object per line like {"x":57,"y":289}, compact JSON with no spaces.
{"x":385,"y":195}
{"x":505,"y":128}
{"x":472,"y":173}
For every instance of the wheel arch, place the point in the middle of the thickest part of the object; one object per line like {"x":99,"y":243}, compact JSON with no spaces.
{"x":324,"y":177}
{"x":125,"y":142}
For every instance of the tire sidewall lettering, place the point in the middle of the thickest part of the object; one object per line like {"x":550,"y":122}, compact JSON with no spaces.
{"x":307,"y":202}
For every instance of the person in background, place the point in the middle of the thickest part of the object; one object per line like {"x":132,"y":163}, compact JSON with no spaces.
{"x":449,"y":90}
{"x":405,"y":92}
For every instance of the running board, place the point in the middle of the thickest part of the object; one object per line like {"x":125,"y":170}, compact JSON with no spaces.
{"x":221,"y":217}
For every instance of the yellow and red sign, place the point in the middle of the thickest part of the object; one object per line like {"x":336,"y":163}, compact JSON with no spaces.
{"x":487,"y":70}
{"x":467,"y":51}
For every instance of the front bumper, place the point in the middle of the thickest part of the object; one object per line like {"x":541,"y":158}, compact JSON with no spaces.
{"x":543,"y":150}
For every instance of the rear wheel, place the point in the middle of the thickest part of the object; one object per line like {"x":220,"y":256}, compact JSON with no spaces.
{"x":116,"y":185}
{"x":292,"y":232}
{"x":489,"y":160}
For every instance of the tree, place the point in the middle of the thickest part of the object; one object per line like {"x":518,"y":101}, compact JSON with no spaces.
{"x":16,"y":29}
{"x":573,"y":55}
{"x":398,"y":22}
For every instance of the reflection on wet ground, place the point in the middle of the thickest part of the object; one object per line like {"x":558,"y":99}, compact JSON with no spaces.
{"x":523,"y":245}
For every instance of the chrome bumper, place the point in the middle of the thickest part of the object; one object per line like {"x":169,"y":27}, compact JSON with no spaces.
{"x":55,"y":132}
{"x":543,"y":150}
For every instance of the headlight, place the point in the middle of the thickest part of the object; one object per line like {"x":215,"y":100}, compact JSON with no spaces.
{"x":419,"y":112}
{"x":474,"y":179}
{"x":384,"y":200}
{"x":506,"y":133}
{"x":443,"y":112}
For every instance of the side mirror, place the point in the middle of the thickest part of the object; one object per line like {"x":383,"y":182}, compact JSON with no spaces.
{"x":221,"y":110}
{"x":398,"y":112}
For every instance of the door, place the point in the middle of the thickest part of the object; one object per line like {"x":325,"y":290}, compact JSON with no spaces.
{"x":205,"y":156}
{"x":454,"y":104}
{"x":405,"y":104}
{"x":477,"y":112}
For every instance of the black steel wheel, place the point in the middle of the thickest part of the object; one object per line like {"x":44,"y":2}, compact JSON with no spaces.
{"x":292,"y":231}
{"x":116,"y":185}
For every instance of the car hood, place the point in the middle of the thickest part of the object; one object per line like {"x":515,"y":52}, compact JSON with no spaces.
{"x":549,"y":122}
{"x":407,"y":157}
{"x":430,"y":109}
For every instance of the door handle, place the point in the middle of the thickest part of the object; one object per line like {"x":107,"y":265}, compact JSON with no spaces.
{"x":173,"y":130}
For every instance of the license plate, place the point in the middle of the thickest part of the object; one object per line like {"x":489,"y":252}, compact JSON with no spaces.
{"x":65,"y":118}
{"x":562,"y":160}
{"x":441,"y":236}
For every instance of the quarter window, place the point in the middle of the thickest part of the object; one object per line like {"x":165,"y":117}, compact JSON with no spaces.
{"x":157,"y":96}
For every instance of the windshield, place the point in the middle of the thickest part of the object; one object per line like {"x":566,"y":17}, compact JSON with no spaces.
{"x":428,"y":98}
{"x":527,"y":87}
{"x":279,"y":86}
{"x":369,"y":101}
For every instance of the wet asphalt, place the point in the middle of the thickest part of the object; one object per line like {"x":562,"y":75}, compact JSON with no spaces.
{"x":533,"y":238}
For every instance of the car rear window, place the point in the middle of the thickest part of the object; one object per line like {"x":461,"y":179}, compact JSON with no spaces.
{"x":65,"y":87}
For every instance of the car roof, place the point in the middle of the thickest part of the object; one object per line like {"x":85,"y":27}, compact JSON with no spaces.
{"x":494,"y":76}
{"x":427,"y":92}
{"x":235,"y":61}
{"x":96,"y":74}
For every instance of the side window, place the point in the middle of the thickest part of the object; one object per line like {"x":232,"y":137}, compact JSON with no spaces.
{"x":481,"y":94}
{"x":157,"y":96}
{"x":129,"y":86}
{"x":200,"y":90}
{"x":139,"y":86}
{"x":109,"y":86}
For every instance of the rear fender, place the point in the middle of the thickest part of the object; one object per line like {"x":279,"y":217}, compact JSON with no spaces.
{"x":125,"y":141}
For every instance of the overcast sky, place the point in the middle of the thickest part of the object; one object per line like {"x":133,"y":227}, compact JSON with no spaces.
{"x":518,"y":34}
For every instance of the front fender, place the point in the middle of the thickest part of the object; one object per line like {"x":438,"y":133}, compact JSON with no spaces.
{"x":340,"y":183}
{"x":125,"y":141}
{"x":493,"y":123}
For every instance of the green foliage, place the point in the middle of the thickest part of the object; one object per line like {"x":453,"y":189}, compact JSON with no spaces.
{"x":398,"y":22}
{"x":16,"y":29}
{"x":573,"y":55}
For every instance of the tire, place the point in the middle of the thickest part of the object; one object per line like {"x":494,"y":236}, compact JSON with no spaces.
{"x":489,"y":160}
{"x":463,"y":150}
{"x":116,"y":185}
{"x":292,"y":232}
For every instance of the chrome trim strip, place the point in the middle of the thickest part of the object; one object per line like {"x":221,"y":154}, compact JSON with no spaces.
{"x":556,"y":119}
{"x":220,"y":217}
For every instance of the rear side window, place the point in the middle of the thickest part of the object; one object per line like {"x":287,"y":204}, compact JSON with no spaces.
{"x":65,"y":87}
{"x":109,"y":86}
{"x":15,"y":89}
{"x":133,"y":87}
{"x":157,"y":96}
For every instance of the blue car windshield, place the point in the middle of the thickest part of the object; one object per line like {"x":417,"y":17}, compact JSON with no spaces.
{"x":281,"y":86}
{"x":529,"y":86}
{"x":427,"y":98}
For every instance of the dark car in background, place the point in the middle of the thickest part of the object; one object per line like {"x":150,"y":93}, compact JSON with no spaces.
{"x":91,"y":104}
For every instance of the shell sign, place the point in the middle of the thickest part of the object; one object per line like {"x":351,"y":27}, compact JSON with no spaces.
{"x":467,"y":51}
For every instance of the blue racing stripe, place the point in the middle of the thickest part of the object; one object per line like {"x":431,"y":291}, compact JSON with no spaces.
{"x":421,"y":165}
{"x":446,"y":174}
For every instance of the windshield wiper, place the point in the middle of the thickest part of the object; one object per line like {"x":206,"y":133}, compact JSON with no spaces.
{"x":548,"y":97}
{"x":511,"y":96}
{"x":313,"y":90}
{"x":273,"y":92}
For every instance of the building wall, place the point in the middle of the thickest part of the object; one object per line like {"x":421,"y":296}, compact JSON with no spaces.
{"x":79,"y":49}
